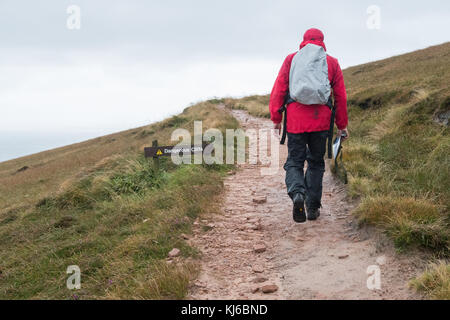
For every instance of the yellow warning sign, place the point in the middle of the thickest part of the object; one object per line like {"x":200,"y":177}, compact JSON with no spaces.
{"x":161,"y":151}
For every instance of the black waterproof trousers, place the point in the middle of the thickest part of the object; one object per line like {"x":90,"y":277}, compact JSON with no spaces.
{"x":309,"y":146}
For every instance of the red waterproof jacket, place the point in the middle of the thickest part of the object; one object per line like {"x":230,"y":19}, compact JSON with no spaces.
{"x":310,"y":118}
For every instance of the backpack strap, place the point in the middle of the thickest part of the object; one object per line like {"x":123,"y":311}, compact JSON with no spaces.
{"x":283,"y":110}
{"x":330,"y":131}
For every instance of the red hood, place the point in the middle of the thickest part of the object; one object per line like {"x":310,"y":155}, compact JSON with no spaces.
{"x":314,"y":36}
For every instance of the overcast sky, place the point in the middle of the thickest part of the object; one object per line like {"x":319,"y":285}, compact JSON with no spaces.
{"x":134,"y":62}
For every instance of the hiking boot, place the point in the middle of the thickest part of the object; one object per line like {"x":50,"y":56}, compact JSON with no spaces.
{"x":298,"y":212}
{"x":313,"y":214}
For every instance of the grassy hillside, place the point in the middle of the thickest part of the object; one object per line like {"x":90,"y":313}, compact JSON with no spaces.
{"x":398,"y":159}
{"x":100,"y":205}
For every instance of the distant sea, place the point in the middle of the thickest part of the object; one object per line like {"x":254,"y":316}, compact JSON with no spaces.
{"x":18,"y":144}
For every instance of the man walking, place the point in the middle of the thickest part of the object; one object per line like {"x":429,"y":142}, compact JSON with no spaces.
{"x":306,"y":81}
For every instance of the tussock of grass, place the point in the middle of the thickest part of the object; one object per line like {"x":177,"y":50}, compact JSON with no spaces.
{"x":158,"y":280}
{"x":408,"y":221}
{"x":435,"y":282}
{"x":137,"y":178}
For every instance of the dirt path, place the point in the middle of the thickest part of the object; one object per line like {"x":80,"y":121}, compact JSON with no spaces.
{"x":324,"y":259}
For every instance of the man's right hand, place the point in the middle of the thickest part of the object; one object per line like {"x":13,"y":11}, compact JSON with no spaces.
{"x":277,"y":126}
{"x":344,"y":134}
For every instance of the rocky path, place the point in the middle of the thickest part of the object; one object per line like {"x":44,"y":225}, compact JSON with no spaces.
{"x":254,"y":250}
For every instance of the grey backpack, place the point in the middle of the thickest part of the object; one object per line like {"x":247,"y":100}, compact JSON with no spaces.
{"x":308,"y":77}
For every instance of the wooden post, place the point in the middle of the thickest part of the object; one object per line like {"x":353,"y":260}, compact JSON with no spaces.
{"x":155,"y":158}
